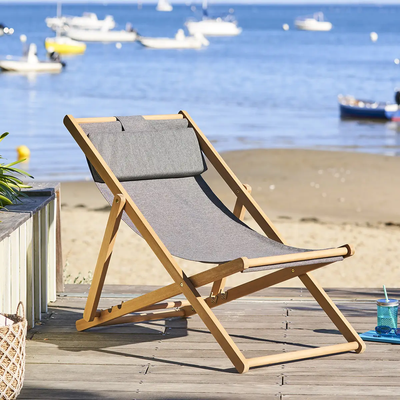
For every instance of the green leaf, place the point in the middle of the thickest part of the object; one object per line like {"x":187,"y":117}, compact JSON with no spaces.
{"x":11,"y":185}
{"x":4,"y":135}
{"x":13,"y":163}
{"x":19,"y":171}
{"x":4,"y":200}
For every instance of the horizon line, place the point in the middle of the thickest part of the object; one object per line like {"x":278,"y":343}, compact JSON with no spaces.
{"x":223,"y":2}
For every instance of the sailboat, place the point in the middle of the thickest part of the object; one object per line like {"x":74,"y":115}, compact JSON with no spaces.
{"x":213,"y":26}
{"x":86,"y":21}
{"x":163,"y":5}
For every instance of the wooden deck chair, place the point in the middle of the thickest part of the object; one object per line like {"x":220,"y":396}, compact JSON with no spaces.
{"x":150,"y":170}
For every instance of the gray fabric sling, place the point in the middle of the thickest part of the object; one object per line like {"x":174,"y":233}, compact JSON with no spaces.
{"x":184,"y":212}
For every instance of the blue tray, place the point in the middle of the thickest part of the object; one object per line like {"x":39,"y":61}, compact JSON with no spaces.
{"x":373,"y":337}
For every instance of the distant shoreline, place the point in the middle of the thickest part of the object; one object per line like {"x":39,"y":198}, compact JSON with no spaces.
{"x":221,"y":2}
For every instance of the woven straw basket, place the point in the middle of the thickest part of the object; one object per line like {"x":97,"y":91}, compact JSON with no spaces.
{"x":12,"y":355}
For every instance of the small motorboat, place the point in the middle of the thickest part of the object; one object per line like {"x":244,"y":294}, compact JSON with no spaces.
{"x":351,"y":107}
{"x":86,"y":21}
{"x":5,"y":30}
{"x":315,"y":22}
{"x":164,"y":5}
{"x":84,"y":35}
{"x":64,"y":45}
{"x":31,"y":63}
{"x":179,"y":42}
{"x":213,"y":26}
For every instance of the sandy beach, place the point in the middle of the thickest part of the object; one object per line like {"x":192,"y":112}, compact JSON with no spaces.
{"x":316,"y":199}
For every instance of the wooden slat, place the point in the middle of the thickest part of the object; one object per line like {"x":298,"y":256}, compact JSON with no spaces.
{"x":37,"y":263}
{"x":51,"y":251}
{"x":59,"y":254}
{"x":43,"y":215}
{"x":6,"y":276}
{"x":308,"y":255}
{"x":23,"y":265}
{"x":14,"y":265}
{"x":30,"y":273}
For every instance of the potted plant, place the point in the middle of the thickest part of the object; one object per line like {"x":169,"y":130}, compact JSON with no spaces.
{"x":10,"y":185}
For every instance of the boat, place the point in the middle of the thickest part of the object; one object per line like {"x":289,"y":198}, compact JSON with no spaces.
{"x":213,"y":26}
{"x":180,"y":41}
{"x":64,"y":45}
{"x":5,"y":30}
{"x":30,"y":63}
{"x":164,"y":5}
{"x":315,"y":22}
{"x":86,"y":21}
{"x":85,"y":35}
{"x":351,"y":107}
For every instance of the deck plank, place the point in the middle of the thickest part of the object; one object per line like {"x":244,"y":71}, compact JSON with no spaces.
{"x":178,"y":359}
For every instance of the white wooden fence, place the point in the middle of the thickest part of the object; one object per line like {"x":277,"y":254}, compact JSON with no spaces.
{"x":30,"y":252}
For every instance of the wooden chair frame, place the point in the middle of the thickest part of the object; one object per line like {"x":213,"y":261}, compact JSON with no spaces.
{"x":149,"y":307}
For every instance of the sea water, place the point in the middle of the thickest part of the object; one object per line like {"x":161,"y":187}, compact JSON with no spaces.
{"x":267,"y":88}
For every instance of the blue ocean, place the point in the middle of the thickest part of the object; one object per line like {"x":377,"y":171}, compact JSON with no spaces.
{"x":267,"y":88}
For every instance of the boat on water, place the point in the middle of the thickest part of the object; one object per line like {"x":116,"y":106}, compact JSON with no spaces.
{"x":88,"y":21}
{"x":351,"y":107}
{"x":180,"y":41}
{"x":30,"y":63}
{"x":208,"y":26}
{"x":64,"y":45}
{"x":85,"y":35}
{"x":5,"y":30}
{"x":315,"y":22}
{"x":164,"y":5}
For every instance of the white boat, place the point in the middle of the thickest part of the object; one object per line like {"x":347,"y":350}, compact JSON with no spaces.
{"x":314,"y":22}
{"x":30,"y":63}
{"x":85,"y":35}
{"x":179,"y":42}
{"x":86,"y":21}
{"x":213,"y":26}
{"x":5,"y":30}
{"x":64,"y":45}
{"x":164,"y":5}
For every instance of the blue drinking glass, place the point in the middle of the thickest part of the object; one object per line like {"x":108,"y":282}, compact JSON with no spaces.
{"x":387,"y":312}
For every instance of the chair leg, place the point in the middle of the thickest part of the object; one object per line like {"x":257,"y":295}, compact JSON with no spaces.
{"x":332,"y":311}
{"x":104,"y":258}
{"x":214,"y":326}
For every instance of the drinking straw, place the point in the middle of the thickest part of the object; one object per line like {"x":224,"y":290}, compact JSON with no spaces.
{"x":387,"y":299}
{"x":386,"y":296}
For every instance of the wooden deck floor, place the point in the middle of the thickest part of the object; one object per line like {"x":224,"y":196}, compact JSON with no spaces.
{"x":179,"y":359}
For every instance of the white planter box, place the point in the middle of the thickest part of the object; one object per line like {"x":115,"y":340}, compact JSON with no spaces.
{"x":29,"y":258}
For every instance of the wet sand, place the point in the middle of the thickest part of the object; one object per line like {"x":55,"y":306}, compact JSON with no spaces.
{"x":316,"y":199}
